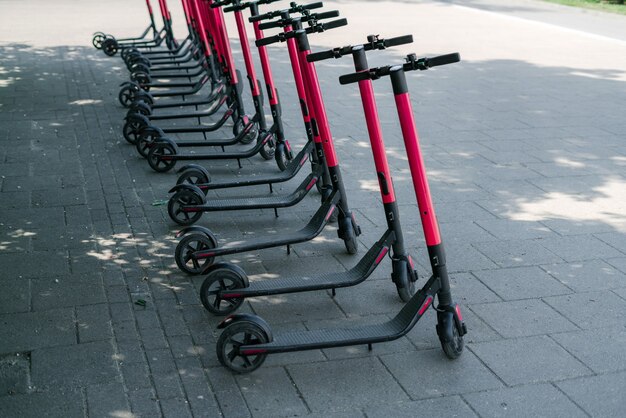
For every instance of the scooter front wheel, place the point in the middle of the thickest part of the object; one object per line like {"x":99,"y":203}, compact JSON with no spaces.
{"x":177,"y":203}
{"x":245,"y":123}
{"x":268,"y":150}
{"x":449,"y":336}
{"x":283,"y":155}
{"x":233,"y":337}
{"x":221,"y":279}
{"x":189,"y":245}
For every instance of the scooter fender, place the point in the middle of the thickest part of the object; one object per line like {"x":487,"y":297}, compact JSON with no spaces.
{"x":137,"y":117}
{"x":245,"y":317}
{"x":197,"y":167}
{"x":187,"y":186}
{"x":229,"y":266}
{"x":196,"y":228}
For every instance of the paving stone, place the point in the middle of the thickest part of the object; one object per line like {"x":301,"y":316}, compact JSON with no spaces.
{"x":167,"y":385}
{"x":601,"y":350}
{"x":92,"y":363}
{"x":521,"y":283}
{"x":537,"y":359}
{"x":590,"y":310}
{"x":270,"y":392}
{"x":466,"y":289}
{"x":517,"y":253}
{"x":449,"y":406}
{"x":94,"y":323}
{"x":515,"y":402}
{"x":466,"y":374}
{"x":15,"y":372}
{"x":577,"y":248}
{"x":31,"y":330}
{"x":175,"y":407}
{"x":522,"y":318}
{"x":136,"y":375}
{"x":587,"y":276}
{"x":107,"y":400}
{"x":33,"y":404}
{"x":600,"y":396}
{"x":364,"y":381}
{"x":15,"y":297}
{"x":49,"y":293}
{"x":46,"y":262}
{"x":506,"y":229}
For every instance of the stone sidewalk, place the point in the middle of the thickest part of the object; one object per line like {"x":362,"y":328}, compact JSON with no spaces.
{"x":525,"y":148}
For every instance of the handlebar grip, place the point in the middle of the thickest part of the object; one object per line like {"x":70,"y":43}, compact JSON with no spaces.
{"x":269,"y":25}
{"x":316,"y":5}
{"x":325,"y":15}
{"x":319,"y":56}
{"x":266,"y":1}
{"x":354,"y":77}
{"x":443,"y":59}
{"x":400,"y":40}
{"x":264,"y":16}
{"x":334,"y":24}
{"x":216,"y":4}
{"x":267,"y":40}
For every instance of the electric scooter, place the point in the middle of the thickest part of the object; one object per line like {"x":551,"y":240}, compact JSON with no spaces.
{"x":247,"y":339}
{"x":99,"y":37}
{"x":197,"y":250}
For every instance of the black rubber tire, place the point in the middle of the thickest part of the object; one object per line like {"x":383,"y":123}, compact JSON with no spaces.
{"x":221,"y":279}
{"x":181,"y":198}
{"x":126,"y":96}
{"x":109,"y":47}
{"x":453,"y":349}
{"x":191,"y":243}
{"x":193,"y":176}
{"x":162,"y":148}
{"x":252,"y":133}
{"x":406,"y":293}
{"x":352,"y":245}
{"x":97,"y":39}
{"x":146,"y":139}
{"x":268,"y":150}
{"x":132,"y":130}
{"x":234,"y":336}
{"x":283,"y":156}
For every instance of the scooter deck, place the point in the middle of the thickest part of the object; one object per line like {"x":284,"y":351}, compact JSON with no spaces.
{"x":357,"y":274}
{"x":311,"y":230}
{"x":393,"y":329}
{"x":293,"y":168}
{"x":266,"y":202}
{"x":210,"y":99}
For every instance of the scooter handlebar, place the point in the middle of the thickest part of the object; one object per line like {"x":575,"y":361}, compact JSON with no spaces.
{"x":412,"y":64}
{"x":374,"y":43}
{"x":216,"y":4}
{"x":331,"y":25}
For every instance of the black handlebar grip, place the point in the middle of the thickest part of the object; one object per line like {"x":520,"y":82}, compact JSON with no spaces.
{"x":354,"y":77}
{"x":310,"y":6}
{"x":334,"y":24}
{"x":264,"y":16}
{"x":443,"y":59}
{"x":319,"y":56}
{"x":220,"y":3}
{"x":400,"y":40}
{"x":269,"y":25}
{"x":324,"y":15}
{"x":265,"y":1}
{"x":267,"y":40}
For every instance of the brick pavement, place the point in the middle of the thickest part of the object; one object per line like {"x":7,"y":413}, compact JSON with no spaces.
{"x":524,"y":142}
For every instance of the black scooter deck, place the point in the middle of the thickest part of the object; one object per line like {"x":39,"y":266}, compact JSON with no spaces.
{"x":310,"y":231}
{"x":357,"y":274}
{"x":292,"y":169}
{"x":393,"y":329}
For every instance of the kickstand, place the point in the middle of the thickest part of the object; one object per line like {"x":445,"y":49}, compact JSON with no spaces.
{"x":288,"y":249}
{"x":223,"y":149}
{"x":271,"y":188}
{"x":276,"y":212}
{"x":204,"y":135}
{"x":369,"y":347}
{"x":239,"y":162}
{"x":334,"y":292}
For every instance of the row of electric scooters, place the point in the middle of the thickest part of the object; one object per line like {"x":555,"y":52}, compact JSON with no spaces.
{"x":167,"y":77}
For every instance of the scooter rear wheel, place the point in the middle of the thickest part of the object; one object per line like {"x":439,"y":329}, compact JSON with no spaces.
{"x":233,"y":337}
{"x":162,"y":156}
{"x":132,"y":130}
{"x":97,"y":40}
{"x":193,"y":176}
{"x":221,"y":279}
{"x":181,"y":198}
{"x":187,"y":246}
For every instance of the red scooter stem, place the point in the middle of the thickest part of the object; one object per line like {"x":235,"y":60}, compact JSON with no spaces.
{"x":265,"y":66}
{"x":376,"y":141}
{"x":315,"y":94}
{"x":247,"y":55}
{"x":418,"y":171}
{"x":186,"y":11}
{"x":305,"y":105}
{"x":202,"y":29}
